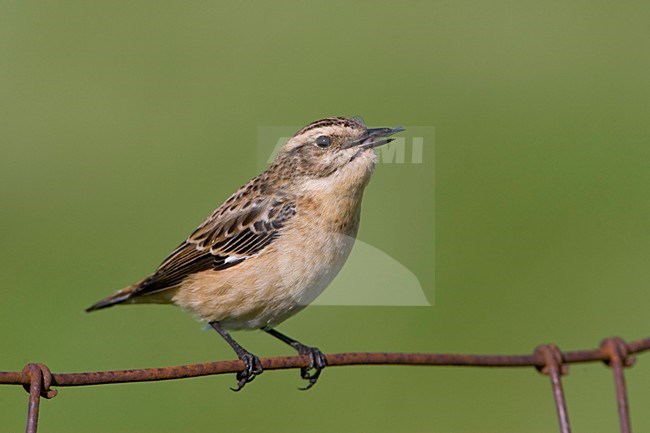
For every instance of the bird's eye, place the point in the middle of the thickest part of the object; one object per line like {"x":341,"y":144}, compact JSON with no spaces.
{"x":323,"y":141}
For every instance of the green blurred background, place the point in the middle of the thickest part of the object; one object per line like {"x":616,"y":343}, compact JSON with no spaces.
{"x":124,"y":123}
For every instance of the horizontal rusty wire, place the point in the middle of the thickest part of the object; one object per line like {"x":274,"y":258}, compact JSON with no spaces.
{"x":37,"y":379}
{"x":535,"y":359}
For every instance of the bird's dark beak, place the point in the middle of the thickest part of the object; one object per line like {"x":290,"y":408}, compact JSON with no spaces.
{"x":375,"y":137}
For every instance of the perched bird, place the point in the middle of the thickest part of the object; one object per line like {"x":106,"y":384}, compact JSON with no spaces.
{"x":275,"y":244}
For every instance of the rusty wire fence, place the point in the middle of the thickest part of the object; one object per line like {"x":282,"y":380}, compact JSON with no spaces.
{"x":38,"y":380}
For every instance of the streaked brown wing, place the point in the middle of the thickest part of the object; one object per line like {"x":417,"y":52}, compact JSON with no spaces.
{"x":228,"y":237}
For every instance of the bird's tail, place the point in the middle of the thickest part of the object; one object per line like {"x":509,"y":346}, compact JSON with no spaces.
{"x":118,"y":297}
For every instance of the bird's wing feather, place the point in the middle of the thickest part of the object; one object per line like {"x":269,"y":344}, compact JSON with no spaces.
{"x":232,"y":234}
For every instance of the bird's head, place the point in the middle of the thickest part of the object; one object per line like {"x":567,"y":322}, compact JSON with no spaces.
{"x":336,"y":147}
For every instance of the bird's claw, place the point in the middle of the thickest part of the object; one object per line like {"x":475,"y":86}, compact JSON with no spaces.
{"x":252,"y":368}
{"x":317,"y":362}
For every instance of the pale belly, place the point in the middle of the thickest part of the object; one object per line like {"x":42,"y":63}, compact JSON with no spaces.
{"x":268,"y":289}
{"x":298,"y":279}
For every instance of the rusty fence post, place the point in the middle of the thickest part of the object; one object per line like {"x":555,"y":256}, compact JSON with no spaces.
{"x":616,"y":351}
{"x":40,"y":379}
{"x":554,"y":367}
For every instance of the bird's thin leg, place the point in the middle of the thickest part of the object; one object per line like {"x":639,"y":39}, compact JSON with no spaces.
{"x":252,"y":364}
{"x":317,"y":360}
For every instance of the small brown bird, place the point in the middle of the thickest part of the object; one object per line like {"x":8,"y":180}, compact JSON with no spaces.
{"x":275,"y":244}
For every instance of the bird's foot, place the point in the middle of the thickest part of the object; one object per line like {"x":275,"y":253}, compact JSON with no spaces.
{"x":252,"y":368}
{"x":317,"y":362}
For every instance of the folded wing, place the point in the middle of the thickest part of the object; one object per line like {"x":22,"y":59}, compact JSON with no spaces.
{"x":232,"y":234}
